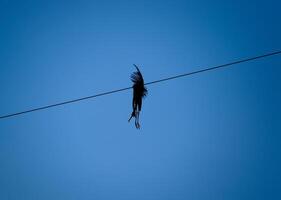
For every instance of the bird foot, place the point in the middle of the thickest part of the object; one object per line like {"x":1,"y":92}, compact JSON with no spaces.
{"x":137,"y":125}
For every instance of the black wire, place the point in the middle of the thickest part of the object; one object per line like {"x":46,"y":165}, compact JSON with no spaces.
{"x":63,"y":103}
{"x":149,"y":83}
{"x":216,"y":67}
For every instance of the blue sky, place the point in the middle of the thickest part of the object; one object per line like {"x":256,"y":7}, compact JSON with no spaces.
{"x":214,"y":135}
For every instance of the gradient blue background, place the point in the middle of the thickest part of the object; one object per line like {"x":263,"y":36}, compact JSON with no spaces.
{"x":215,"y":135}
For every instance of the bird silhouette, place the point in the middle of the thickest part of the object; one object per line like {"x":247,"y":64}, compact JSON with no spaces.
{"x":139,"y":92}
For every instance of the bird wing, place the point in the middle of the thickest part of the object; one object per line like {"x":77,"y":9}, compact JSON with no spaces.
{"x":136,"y":77}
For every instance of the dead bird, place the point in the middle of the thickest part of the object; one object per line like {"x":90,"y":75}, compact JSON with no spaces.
{"x":139,"y":92}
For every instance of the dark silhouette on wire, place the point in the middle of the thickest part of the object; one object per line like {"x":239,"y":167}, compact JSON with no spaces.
{"x":152,"y":82}
{"x":139,"y":92}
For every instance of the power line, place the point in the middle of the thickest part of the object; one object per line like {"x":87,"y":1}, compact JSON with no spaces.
{"x":215,"y":67}
{"x":149,"y":83}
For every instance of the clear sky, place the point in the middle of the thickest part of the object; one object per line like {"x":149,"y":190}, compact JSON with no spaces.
{"x":214,"y":135}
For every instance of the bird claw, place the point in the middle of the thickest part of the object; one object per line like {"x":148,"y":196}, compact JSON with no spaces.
{"x":137,"y":125}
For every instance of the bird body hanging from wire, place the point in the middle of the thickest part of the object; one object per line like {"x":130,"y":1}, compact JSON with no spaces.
{"x":139,"y":92}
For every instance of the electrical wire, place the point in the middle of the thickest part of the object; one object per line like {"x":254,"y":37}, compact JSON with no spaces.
{"x":148,"y":83}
